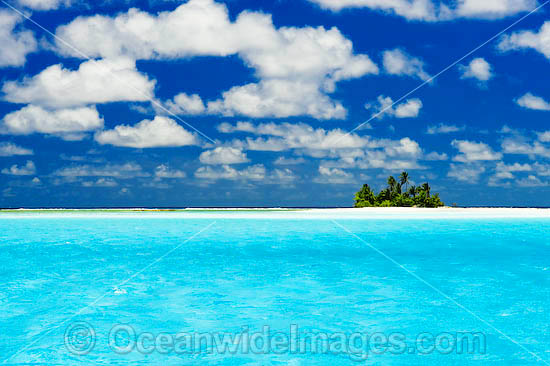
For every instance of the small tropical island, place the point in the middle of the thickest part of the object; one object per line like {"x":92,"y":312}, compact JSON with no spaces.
{"x":398,"y":194}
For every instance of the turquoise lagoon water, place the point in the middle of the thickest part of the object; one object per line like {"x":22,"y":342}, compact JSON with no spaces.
{"x":120,"y":288}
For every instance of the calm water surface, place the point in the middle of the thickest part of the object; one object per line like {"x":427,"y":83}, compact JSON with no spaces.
{"x":69,"y":279}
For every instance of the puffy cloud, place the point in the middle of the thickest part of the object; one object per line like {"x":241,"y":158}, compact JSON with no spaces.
{"x":403,"y":147}
{"x":351,"y":150}
{"x":69,"y":124}
{"x":226,"y":127}
{"x":93,"y":82}
{"x":398,"y":62}
{"x":364,"y":152}
{"x":100,"y":182}
{"x":531,"y":181}
{"x":15,"y":44}
{"x":223,"y":156}
{"x":519,"y":146}
{"x":159,"y":132}
{"x":443,"y":128}
{"x":255,"y":172}
{"x":164,"y":172}
{"x":305,"y":62}
{"x":10,"y":149}
{"x":44,"y":4}
{"x":507,"y":130}
{"x":544,"y":136}
{"x":504,"y":171}
{"x":203,"y":27}
{"x":281,"y":176}
{"x":121,"y":171}
{"x":185,"y":104}
{"x":408,"y":109}
{"x":198,"y":27}
{"x":27,"y":169}
{"x":435,"y":156}
{"x":281,"y":160}
{"x":329,"y":175}
{"x":157,"y":184}
{"x":542,"y":169}
{"x":466,"y":172}
{"x":474,"y":151}
{"x":428,"y":10}
{"x":314,"y":55}
{"x":531,"y":101}
{"x":492,"y":9}
{"x":277,"y":98}
{"x":411,"y":10}
{"x":528,"y":40}
{"x":478,"y":69}
{"x":384,"y":107}
{"x":287,"y":136}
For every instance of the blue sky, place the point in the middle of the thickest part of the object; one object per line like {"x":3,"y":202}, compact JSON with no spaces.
{"x":246,"y":103}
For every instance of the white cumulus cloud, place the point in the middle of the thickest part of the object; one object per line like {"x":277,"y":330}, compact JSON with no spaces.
{"x":281,"y":160}
{"x":443,"y":128}
{"x":100,"y":182}
{"x":11,"y":149}
{"x":277,"y":98}
{"x":122,"y":171}
{"x":407,"y":109}
{"x":164,"y":172}
{"x":328,"y":175}
{"x":412,"y":10}
{"x":520,"y":146}
{"x":492,"y":9}
{"x":478,"y":69}
{"x":544,"y":136}
{"x":281,"y":176}
{"x":526,"y":39}
{"x":466,"y":172}
{"x":285,"y":136}
{"x":504,"y":171}
{"x":44,"y":4}
{"x":15,"y":44}
{"x":223,"y":156}
{"x":398,"y":62}
{"x":27,"y":169}
{"x":185,"y":104}
{"x":531,"y":181}
{"x":351,"y":150}
{"x":471,"y":151}
{"x":297,"y":67}
{"x":93,"y":82}
{"x":69,"y":124}
{"x":255,"y":172}
{"x":429,"y":10}
{"x":531,"y":101}
{"x":159,"y":132}
{"x":435,"y":156}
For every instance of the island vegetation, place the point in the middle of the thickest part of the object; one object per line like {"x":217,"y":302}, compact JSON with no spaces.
{"x":398,"y":193}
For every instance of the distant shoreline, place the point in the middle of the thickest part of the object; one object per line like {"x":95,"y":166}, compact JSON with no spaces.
{"x":136,"y":209}
{"x":282,"y":209}
{"x":368,"y":213}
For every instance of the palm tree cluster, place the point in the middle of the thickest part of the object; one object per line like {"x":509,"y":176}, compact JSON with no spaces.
{"x":398,"y":194}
